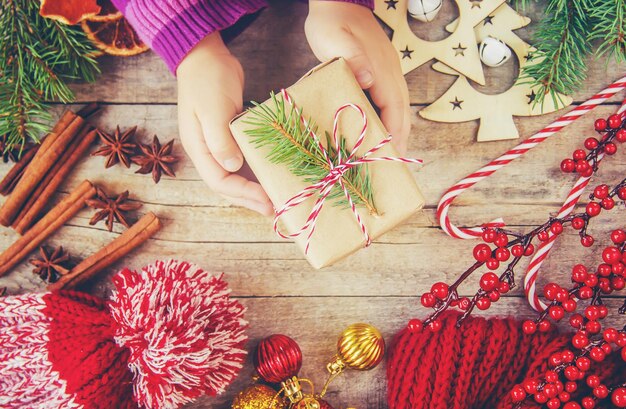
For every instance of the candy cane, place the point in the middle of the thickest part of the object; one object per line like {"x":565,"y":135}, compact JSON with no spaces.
{"x":446,"y":200}
{"x":540,"y":256}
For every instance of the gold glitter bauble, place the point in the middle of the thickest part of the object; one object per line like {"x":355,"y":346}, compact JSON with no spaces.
{"x":361,"y":346}
{"x":258,"y":397}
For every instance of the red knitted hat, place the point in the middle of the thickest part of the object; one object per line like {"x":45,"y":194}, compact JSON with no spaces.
{"x":470,"y":367}
{"x":169,"y":334}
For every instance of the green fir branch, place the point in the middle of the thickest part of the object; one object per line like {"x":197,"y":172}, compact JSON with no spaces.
{"x":38,"y":56}
{"x":562,"y":42}
{"x":280,"y":129}
{"x":610,"y":29}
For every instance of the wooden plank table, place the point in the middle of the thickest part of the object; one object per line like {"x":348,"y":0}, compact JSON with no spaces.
{"x":379,"y":285}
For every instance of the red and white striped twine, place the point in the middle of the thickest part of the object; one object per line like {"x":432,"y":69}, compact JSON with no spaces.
{"x":335,"y":174}
{"x":471,"y":233}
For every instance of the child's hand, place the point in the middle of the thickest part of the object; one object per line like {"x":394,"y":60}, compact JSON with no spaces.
{"x":210,"y":88}
{"x":337,"y":29}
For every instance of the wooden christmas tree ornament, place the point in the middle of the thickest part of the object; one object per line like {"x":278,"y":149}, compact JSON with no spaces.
{"x":462,"y":102}
{"x":458,"y":51}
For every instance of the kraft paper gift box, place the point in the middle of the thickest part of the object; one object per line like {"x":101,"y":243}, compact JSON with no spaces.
{"x":337,"y":234}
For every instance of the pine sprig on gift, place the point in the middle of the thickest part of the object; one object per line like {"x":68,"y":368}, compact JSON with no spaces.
{"x":281,"y":129}
{"x":37,"y":58}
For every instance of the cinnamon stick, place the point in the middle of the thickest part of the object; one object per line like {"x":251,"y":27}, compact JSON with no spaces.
{"x":54,"y":219}
{"x":132,"y":238}
{"x":14,"y":175}
{"x":51,"y":149}
{"x":88,"y":110}
{"x":46,"y":188}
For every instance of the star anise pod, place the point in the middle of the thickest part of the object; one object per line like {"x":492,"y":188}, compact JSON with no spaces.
{"x":111,"y":209}
{"x":52,"y":264}
{"x":156,"y":159}
{"x":117,"y":147}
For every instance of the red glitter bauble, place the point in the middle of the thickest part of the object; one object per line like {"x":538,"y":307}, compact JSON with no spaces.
{"x":278,"y":358}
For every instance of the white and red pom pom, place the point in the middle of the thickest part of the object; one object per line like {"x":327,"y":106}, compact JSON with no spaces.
{"x":184,"y":333}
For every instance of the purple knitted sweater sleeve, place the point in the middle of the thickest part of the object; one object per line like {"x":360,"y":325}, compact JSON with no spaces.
{"x":173,"y":27}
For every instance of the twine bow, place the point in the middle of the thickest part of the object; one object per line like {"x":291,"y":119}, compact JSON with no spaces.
{"x":335,"y":174}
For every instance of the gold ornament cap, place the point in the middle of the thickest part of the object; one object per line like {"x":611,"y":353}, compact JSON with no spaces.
{"x":258,"y":397}
{"x":361,"y":347}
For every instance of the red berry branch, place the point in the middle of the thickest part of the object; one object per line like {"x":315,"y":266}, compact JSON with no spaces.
{"x":590,"y":344}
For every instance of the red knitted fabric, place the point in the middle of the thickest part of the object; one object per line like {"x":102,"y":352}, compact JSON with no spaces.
{"x":474,"y":366}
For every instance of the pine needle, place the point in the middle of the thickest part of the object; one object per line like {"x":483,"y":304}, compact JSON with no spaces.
{"x":37,"y":58}
{"x":280,"y":129}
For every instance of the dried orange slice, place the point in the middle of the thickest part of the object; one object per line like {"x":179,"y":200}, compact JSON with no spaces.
{"x":108,"y":12}
{"x":114,"y":37}
{"x":69,"y":11}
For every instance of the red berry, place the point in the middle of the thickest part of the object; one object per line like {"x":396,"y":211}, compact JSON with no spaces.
{"x":562,"y":295}
{"x":593,"y":209}
{"x":494,"y":295}
{"x":621,"y":341}
{"x":621,"y":135}
{"x":501,"y":240}
{"x":482,"y":252}
{"x":529,"y":327}
{"x":492,"y":264}
{"x":551,"y":377}
{"x":610,"y":148}
{"x":571,"y":387}
{"x":415,"y":325}
{"x":569,"y":305}
{"x":578,"y":223}
{"x":597,"y":354}
{"x":483,"y":303}
{"x":600,"y":124}
{"x":582,"y":167}
{"x":503,"y":254}
{"x":579,"y":154}
{"x":587,"y":241}
{"x":434,"y":326}
{"x":617,"y":268}
{"x":601,"y":191}
{"x":428,"y":300}
{"x":555,"y":359}
{"x":604,"y":270}
{"x":567,"y":356}
{"x":530,"y":249}
{"x":568,"y":165}
{"x":489,"y":235}
{"x":550,"y":290}
{"x":615,"y":121}
{"x":556,"y":312}
{"x":489,"y":281}
{"x":591,"y":143}
{"x":564,"y":397}
{"x":556,"y":227}
{"x":550,"y":390}
{"x":553,"y":403}
{"x":518,"y":393}
{"x":576,"y":320}
{"x":605,"y":286}
{"x":593,"y":327}
{"x":579,"y":273}
{"x":621,"y":193}
{"x":579,"y":341}
{"x":541,"y":397}
{"x":504,"y":287}
{"x":571,"y":373}
{"x":601,"y":391}
{"x":618,"y":283}
{"x":583,"y":363}
{"x":542,"y":235}
{"x":585,"y":292}
{"x":517,"y":250}
{"x":607,"y":348}
{"x":591,"y":281}
{"x":607,"y":203}
{"x":593,"y":381}
{"x":603,"y":311}
{"x":571,"y":405}
{"x":618,"y":397}
{"x":592,"y":313}
{"x":588,"y":402}
{"x":611,"y":255}
{"x":544,"y":326}
{"x":439,"y":290}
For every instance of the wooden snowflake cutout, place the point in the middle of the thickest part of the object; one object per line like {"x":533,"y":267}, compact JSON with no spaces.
{"x":458,"y":51}
{"x":494,"y":111}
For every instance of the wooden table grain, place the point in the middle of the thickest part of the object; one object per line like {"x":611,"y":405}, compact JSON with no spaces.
{"x":381,"y":284}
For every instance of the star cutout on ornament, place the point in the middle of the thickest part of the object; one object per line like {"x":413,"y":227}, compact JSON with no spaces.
{"x":406,"y":53}
{"x":531,"y":97}
{"x":488,"y":20}
{"x":529,"y":57}
{"x":456,"y":104}
{"x":459,"y":50}
{"x":391,"y":4}
{"x":476,"y":3}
